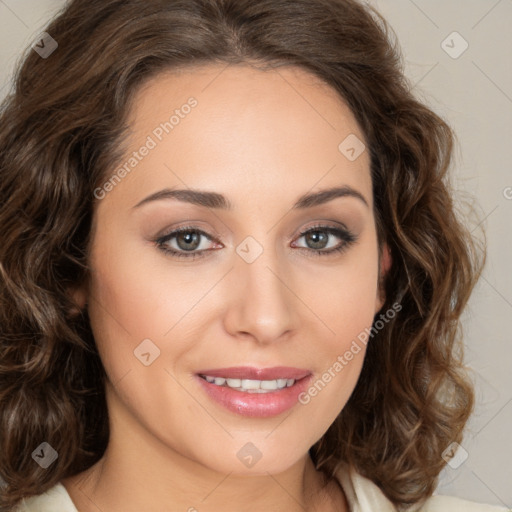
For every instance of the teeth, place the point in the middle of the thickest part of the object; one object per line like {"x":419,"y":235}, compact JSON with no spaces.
{"x":251,"y":385}
{"x":272,"y":384}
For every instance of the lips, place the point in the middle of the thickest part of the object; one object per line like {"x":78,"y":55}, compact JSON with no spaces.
{"x":255,"y":392}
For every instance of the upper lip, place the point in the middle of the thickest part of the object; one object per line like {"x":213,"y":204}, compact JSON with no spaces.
{"x":250,"y":372}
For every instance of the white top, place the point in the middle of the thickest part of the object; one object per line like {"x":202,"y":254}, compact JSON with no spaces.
{"x":362,"y":495}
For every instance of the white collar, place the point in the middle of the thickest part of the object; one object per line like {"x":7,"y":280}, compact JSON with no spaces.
{"x":362,"y":494}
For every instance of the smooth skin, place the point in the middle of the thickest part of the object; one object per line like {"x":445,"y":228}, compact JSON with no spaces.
{"x":262,"y":139}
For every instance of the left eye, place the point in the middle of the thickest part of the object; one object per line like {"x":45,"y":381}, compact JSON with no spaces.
{"x":322,"y":238}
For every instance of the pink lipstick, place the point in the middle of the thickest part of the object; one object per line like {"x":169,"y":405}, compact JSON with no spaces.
{"x":255,"y":392}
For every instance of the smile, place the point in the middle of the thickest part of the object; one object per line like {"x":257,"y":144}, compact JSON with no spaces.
{"x":254,"y":392}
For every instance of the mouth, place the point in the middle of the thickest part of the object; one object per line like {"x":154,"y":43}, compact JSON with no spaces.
{"x":254,"y":392}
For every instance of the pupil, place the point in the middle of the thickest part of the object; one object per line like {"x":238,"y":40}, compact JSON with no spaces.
{"x":188,"y":238}
{"x":318,"y":239}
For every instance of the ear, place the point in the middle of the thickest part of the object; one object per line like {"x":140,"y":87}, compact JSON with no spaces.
{"x":79,"y":296}
{"x":384,"y":264}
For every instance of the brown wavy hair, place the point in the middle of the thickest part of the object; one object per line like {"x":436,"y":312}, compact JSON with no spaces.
{"x":61,"y":133}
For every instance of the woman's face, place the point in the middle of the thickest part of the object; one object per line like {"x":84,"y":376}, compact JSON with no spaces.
{"x":255,"y":281}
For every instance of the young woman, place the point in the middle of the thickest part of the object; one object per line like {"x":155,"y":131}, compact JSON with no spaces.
{"x":231,"y":271}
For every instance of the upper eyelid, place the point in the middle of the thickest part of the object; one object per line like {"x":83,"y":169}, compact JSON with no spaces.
{"x":324,"y":226}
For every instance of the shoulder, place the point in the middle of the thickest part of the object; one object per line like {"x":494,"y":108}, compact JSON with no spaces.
{"x":364,"y":496}
{"x":55,"y":499}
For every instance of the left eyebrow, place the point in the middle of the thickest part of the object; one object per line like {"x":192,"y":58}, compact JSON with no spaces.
{"x":216,"y":200}
{"x":324,"y":196}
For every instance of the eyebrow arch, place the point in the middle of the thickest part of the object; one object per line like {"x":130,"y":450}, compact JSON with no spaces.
{"x":215,"y":200}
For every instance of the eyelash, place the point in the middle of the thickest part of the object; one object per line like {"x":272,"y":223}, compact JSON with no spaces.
{"x":345,"y":235}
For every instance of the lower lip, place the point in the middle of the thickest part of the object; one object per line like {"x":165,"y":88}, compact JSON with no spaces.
{"x":256,"y":405}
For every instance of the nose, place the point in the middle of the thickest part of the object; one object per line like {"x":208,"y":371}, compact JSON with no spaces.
{"x":261,"y":304}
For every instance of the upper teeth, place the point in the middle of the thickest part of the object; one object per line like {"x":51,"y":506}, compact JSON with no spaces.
{"x":250,"y":385}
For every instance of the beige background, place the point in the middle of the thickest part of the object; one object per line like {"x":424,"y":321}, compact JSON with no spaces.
{"x":473,"y":91}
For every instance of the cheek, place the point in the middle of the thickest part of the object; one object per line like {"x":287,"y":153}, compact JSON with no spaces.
{"x":135,"y":293}
{"x":340,"y":354}
{"x":345,"y":301}
{"x":127,"y":303}
{"x":344,"y":296}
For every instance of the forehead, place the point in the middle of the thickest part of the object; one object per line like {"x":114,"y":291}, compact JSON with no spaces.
{"x":284,"y":127}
